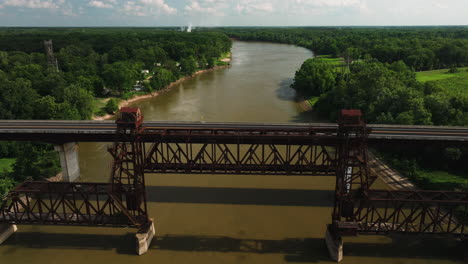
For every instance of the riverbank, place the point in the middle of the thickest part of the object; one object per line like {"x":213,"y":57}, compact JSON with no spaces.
{"x":125,"y":103}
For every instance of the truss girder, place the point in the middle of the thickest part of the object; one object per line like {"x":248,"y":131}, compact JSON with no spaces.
{"x":221,"y":158}
{"x":425,"y":212}
{"x":60,"y":203}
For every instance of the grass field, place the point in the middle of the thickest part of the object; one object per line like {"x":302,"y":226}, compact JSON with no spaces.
{"x":455,"y":84}
{"x":443,"y":74}
{"x":331,"y":60}
{"x":440,"y":180}
{"x":7,"y":164}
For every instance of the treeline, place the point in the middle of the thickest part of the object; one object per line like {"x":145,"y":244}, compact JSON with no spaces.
{"x":421,"y":48}
{"x":386,"y":93}
{"x":100,"y":61}
{"x":92,"y":63}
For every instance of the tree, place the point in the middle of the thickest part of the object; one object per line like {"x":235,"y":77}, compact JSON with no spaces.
{"x":315,"y":77}
{"x":162,"y":78}
{"x":16,"y":99}
{"x":80,"y":99}
{"x":37,"y":161}
{"x":119,"y":77}
{"x":111,"y":106}
{"x":117,"y":54}
{"x":188,"y":66}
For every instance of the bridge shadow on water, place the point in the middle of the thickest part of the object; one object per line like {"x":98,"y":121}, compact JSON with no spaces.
{"x":240,"y":196}
{"x":307,"y":250}
{"x":307,"y":117}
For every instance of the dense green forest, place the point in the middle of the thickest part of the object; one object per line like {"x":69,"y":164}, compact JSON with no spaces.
{"x":421,"y":48}
{"x":377,"y":74}
{"x":91,"y":63}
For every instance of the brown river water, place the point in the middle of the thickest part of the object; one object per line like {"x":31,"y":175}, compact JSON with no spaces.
{"x":218,"y":218}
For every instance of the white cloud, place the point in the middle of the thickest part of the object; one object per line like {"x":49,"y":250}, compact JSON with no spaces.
{"x":147,"y":7}
{"x":293,"y":7}
{"x":100,"y":4}
{"x":212,"y":7}
{"x":49,"y":4}
{"x":255,"y":6}
{"x":61,"y":6}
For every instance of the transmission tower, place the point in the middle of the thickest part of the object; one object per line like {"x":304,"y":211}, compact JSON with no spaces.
{"x":51,"y":60}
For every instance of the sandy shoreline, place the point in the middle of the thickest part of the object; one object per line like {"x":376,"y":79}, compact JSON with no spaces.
{"x":125,"y":103}
{"x":305,"y":104}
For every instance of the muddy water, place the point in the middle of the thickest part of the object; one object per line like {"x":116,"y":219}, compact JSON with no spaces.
{"x":225,"y":219}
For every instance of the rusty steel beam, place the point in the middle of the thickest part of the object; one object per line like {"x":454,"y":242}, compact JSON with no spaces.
{"x":315,"y":136}
{"x":127,"y":174}
{"x":352,"y":170}
{"x":60,"y":203}
{"x":408,"y":212}
{"x":220,"y":158}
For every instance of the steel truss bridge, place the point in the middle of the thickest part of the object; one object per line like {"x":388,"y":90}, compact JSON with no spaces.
{"x":338,"y":150}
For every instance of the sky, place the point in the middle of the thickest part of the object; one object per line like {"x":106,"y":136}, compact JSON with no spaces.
{"x":156,"y":13}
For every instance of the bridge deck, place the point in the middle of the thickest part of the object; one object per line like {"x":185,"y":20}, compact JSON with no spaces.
{"x":105,"y":131}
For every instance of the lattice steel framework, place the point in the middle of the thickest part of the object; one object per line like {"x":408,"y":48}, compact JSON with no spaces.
{"x":64,"y":203}
{"x":428,"y":212}
{"x":119,"y":203}
{"x":128,"y":180}
{"x":221,"y":158}
{"x":352,"y":171}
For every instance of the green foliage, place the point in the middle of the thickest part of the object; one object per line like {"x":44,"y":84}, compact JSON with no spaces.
{"x":130,"y":95}
{"x":436,"y":75}
{"x":17,"y":99}
{"x":188,"y":66}
{"x":112,"y":106}
{"x":35,"y":161}
{"x":431,"y":176}
{"x":386,"y":93}
{"x":6,"y":183}
{"x":119,"y":77}
{"x":6,"y":165}
{"x":314,"y":78}
{"x":162,"y":78}
{"x":453,"y":69}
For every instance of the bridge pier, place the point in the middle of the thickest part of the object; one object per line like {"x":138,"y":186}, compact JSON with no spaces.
{"x":6,"y":231}
{"x":144,"y":237}
{"x":334,"y":244}
{"x":69,"y":161}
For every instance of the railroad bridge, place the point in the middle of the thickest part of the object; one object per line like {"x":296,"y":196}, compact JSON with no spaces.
{"x":338,"y":150}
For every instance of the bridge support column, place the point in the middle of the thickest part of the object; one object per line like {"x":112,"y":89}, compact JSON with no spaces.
{"x":69,"y":161}
{"x":334,"y":244}
{"x":144,"y":237}
{"x":6,"y":231}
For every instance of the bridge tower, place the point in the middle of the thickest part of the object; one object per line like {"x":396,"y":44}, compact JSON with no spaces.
{"x":128,"y":181}
{"x":51,"y":59}
{"x":352,"y":173}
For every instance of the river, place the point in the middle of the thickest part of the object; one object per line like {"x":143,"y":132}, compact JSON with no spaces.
{"x":242,"y":219}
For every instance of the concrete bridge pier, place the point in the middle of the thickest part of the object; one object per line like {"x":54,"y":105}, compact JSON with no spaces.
{"x":144,"y":237}
{"x":334,"y":244}
{"x":69,"y":161}
{"x":6,"y":231}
